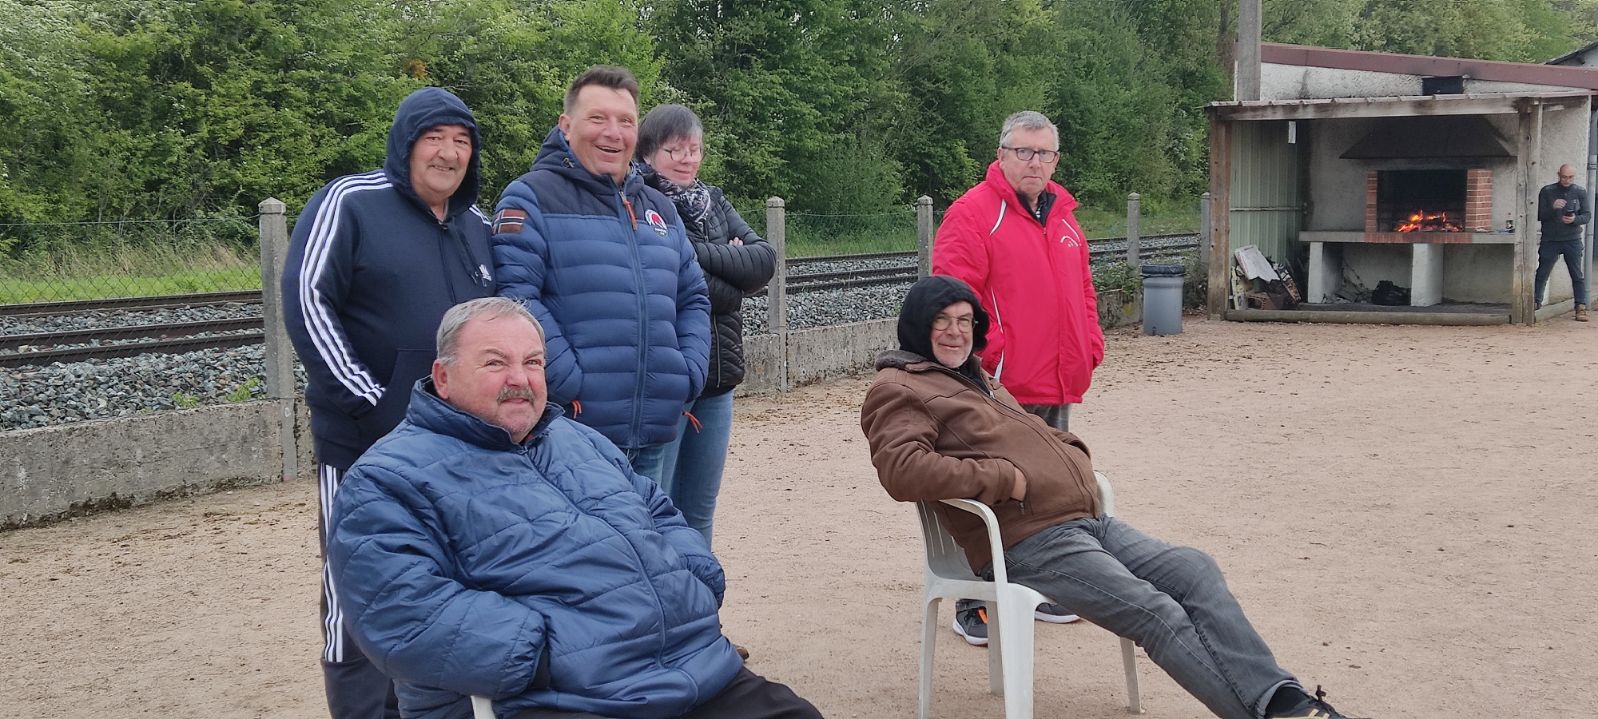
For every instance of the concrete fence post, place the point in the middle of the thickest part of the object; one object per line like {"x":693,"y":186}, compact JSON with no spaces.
{"x":923,"y":236}
{"x":1133,"y":212}
{"x":1206,"y":233}
{"x":279,"y":352}
{"x":777,"y":294}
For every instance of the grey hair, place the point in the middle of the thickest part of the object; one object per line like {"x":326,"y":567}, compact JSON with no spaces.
{"x":664,"y":124}
{"x":1028,"y":120}
{"x":449,"y":328}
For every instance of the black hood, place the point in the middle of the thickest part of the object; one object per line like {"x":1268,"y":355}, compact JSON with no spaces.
{"x":926,"y":298}
{"x":422,"y":110}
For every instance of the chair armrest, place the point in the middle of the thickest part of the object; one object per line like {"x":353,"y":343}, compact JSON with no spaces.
{"x":1106,"y":494}
{"x":995,"y":546}
{"x":482,"y":708}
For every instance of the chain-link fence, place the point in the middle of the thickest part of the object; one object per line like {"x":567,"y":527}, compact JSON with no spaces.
{"x":97,"y":260}
{"x":106,"y":319}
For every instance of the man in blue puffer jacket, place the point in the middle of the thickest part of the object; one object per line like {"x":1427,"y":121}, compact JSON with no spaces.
{"x":490,"y":546}
{"x":604,"y":263}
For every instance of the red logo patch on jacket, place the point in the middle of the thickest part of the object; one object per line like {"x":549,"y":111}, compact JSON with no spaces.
{"x":656,"y":221}
{"x":509,"y":220}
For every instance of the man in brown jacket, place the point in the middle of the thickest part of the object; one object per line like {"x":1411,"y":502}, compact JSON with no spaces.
{"x":940,"y":428}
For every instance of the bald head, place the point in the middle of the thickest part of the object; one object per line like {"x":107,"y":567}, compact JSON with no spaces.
{"x":1567,"y":175}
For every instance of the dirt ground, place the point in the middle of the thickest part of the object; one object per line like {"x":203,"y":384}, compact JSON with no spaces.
{"x":1405,"y":512}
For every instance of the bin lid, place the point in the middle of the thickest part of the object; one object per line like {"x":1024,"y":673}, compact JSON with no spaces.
{"x":1164,"y":270}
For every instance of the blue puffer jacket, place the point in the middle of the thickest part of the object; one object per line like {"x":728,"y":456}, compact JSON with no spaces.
{"x":609,"y":273}
{"x":545,"y":574}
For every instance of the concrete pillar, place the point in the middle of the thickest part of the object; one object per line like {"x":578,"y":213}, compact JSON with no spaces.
{"x":1206,"y":206}
{"x":923,"y":236}
{"x":1246,"y":81}
{"x":1325,"y":271}
{"x":1425,"y":274}
{"x":279,"y":352}
{"x":777,"y":290}
{"x":1133,"y":214}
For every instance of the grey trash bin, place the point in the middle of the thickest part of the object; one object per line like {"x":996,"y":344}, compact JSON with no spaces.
{"x":1162,"y":299}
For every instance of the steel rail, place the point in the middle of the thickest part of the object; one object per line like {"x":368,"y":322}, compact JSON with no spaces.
{"x":158,"y":331}
{"x":167,"y":346}
{"x":44,"y":309}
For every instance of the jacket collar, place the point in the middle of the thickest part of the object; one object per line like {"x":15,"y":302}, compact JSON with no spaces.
{"x":1064,"y":201}
{"x":555,"y":155}
{"x":916,"y":364}
{"x":430,"y":412}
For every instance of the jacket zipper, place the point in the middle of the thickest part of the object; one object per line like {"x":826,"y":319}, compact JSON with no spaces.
{"x":643,"y":570}
{"x":643,"y":314}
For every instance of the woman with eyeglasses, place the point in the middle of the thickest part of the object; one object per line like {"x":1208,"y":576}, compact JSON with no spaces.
{"x":736,"y":262}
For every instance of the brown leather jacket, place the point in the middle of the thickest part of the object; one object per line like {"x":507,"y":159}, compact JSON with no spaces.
{"x":935,"y":434}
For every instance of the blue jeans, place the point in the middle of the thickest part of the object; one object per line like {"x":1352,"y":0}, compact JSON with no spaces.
{"x":649,"y":460}
{"x":1171,"y":600}
{"x":1548,"y":253}
{"x":694,"y":462}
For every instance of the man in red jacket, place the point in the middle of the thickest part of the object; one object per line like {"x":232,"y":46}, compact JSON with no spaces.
{"x":1014,"y":240}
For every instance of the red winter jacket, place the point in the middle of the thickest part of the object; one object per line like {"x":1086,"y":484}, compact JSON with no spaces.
{"x":1035,"y":283}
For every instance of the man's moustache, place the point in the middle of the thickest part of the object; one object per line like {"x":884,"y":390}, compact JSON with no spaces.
{"x":514,"y":393}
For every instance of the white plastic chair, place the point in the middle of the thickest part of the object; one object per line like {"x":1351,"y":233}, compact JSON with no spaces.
{"x":1010,"y":609}
{"x":482,"y":708}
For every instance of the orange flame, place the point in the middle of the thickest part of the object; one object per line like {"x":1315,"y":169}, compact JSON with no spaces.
{"x":1424,"y":221}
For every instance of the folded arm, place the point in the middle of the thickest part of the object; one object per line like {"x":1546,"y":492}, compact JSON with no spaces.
{"x":903,"y":436}
{"x":415,"y":621}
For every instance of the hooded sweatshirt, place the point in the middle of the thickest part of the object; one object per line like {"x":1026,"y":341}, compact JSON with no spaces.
{"x":938,"y":433}
{"x":369,"y":274}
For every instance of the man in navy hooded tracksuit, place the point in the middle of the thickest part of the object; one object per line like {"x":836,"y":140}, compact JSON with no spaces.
{"x":376,"y":260}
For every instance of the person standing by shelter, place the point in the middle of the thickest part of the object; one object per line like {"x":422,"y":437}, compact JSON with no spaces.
{"x":1562,"y":211}
{"x":1015,"y":240}
{"x":603,"y":262}
{"x":375,"y":261}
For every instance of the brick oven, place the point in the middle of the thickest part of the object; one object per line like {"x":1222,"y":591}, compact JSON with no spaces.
{"x":1446,"y":204}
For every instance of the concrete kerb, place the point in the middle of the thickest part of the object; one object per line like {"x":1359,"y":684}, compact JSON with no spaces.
{"x":80,"y":468}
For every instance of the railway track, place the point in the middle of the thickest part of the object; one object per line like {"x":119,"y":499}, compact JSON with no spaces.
{"x":20,"y":350}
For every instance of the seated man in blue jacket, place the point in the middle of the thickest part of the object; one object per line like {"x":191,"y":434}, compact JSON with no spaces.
{"x":490,"y":546}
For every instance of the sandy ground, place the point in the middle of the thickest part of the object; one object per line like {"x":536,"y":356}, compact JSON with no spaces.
{"x":1405,"y":512}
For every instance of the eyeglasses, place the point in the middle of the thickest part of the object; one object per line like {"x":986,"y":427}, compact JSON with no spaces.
{"x":943,"y":322}
{"x":684,"y":154}
{"x":1025,"y":154}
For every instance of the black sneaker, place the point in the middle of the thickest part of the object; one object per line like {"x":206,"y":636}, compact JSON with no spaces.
{"x":971,"y":623}
{"x":1312,"y":708}
{"x":1054,"y":614}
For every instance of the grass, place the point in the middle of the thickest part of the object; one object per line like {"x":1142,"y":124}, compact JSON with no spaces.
{"x":128,"y":271}
{"x":810,"y":235}
{"x":149,"y":269}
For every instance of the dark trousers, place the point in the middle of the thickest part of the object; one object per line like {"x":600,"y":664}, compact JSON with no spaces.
{"x":355,"y":688}
{"x":749,"y":696}
{"x":1548,"y":253}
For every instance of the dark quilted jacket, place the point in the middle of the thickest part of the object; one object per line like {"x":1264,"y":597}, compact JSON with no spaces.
{"x":731,"y":272}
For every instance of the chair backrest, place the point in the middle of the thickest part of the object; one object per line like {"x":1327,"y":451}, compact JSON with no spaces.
{"x":944,"y":558}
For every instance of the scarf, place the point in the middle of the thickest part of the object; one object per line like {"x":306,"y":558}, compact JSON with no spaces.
{"x":693,"y":201}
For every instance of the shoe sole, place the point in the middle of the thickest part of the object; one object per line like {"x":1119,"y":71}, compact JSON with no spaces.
{"x":973,"y":641}
{"x":1055,"y":618}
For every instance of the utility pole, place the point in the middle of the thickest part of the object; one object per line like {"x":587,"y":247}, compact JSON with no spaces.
{"x":1246,"y":77}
